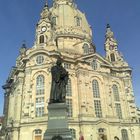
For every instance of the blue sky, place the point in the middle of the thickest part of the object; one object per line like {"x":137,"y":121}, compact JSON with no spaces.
{"x":18,"y":19}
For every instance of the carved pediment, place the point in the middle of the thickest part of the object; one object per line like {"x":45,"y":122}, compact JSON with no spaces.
{"x":90,"y":58}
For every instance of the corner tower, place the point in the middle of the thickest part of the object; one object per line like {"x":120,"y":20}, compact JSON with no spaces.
{"x":44,"y":29}
{"x":111,"y":48}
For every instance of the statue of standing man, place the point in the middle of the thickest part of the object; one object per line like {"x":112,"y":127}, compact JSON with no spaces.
{"x":59,"y":82}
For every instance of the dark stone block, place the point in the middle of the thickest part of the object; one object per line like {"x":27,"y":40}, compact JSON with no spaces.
{"x":57,"y":123}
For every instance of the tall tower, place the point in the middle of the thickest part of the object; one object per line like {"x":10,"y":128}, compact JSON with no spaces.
{"x":44,"y":28}
{"x":111,"y":48}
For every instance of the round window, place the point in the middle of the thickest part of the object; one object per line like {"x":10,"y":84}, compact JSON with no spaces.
{"x":39,"y":59}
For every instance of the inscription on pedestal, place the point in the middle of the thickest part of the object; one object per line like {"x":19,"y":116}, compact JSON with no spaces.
{"x":57,"y":123}
{"x":57,"y":118}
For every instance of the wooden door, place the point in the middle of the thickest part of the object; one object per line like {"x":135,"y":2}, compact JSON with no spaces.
{"x":37,"y":137}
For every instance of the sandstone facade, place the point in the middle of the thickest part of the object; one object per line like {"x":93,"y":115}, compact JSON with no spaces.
{"x":99,"y":93}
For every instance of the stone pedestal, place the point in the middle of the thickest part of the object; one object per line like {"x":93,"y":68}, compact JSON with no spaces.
{"x":57,"y":123}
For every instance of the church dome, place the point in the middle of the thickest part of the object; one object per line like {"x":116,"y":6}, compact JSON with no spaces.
{"x":64,"y":28}
{"x":69,"y":21}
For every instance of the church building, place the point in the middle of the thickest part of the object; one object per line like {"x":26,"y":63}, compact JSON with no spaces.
{"x":100,"y":98}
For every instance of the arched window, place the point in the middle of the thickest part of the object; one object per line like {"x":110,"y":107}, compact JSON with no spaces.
{"x":112,"y":56}
{"x":38,"y":134}
{"x":95,"y":87}
{"x":38,"y":131}
{"x":78,"y":21}
{"x":94,"y":65}
{"x":86,"y":48}
{"x":40,"y":85}
{"x":68,"y":88}
{"x":101,"y":130}
{"x":40,"y":82}
{"x":54,"y":20}
{"x":102,"y":133}
{"x":124,"y":134}
{"x":41,"y":39}
{"x":116,"y":93}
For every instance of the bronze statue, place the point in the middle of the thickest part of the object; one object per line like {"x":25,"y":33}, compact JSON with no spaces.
{"x":59,"y":82}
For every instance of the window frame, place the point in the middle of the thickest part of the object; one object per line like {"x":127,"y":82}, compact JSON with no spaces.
{"x":118,"y":110}
{"x":73,"y":133}
{"x":69,"y":88}
{"x":78,"y":21}
{"x":40,"y":85}
{"x":40,"y":111}
{"x":98,"y":108}
{"x":40,"y":98}
{"x":70,"y":107}
{"x":124,"y":134}
{"x":112,"y":57}
{"x":54,"y":20}
{"x":94,"y":64}
{"x":116,"y":95}
{"x":41,"y":39}
{"x":86,"y":48}
{"x":39,"y":59}
{"x":37,"y":136}
{"x":95,"y":89}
